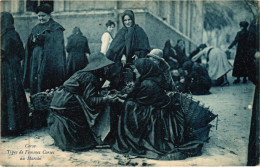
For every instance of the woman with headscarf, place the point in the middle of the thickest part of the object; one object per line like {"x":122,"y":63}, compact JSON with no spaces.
{"x":77,"y":48}
{"x":156,"y":55}
{"x":79,"y":115}
{"x":14,"y":106}
{"x":242,"y":60}
{"x":170,"y":56}
{"x":131,"y":41}
{"x":217,"y":64}
{"x":45,"y":59}
{"x":154,"y":124}
{"x":180,"y":51}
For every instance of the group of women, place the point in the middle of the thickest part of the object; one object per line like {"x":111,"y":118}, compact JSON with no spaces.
{"x":152,"y":120}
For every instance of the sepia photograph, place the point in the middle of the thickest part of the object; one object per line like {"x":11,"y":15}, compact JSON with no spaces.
{"x":129,"y":83}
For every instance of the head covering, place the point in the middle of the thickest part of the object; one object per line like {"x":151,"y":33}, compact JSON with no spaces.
{"x":156,"y":52}
{"x":187,"y":66}
{"x":243,"y":24}
{"x":179,"y":40}
{"x":76,"y":30}
{"x":46,"y":8}
{"x":96,"y":61}
{"x":130,"y":13}
{"x":147,"y":68}
{"x":7,"y":22}
{"x":202,"y":46}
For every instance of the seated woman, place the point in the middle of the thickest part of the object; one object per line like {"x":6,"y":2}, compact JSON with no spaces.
{"x":218,"y":64}
{"x":180,"y":51}
{"x":198,"y":81}
{"x":157,"y":125}
{"x":79,"y":116}
{"x":170,"y":56}
{"x":156,"y":55}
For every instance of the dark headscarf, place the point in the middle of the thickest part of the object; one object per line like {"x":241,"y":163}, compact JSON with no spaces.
{"x":147,"y":69}
{"x":7,"y":22}
{"x":130,"y":13}
{"x":76,"y":30}
{"x":243,"y":24}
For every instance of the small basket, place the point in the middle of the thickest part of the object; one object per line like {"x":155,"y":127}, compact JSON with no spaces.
{"x":41,"y":101}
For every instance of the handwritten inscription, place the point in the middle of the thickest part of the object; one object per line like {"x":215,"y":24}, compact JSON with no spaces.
{"x":30,"y":153}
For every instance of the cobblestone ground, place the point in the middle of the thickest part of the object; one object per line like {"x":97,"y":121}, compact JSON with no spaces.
{"x":227,"y":146}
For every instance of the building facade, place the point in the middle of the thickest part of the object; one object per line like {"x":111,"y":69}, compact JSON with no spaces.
{"x":161,"y":20}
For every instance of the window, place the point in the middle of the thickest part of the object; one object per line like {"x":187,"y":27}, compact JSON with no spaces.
{"x":32,"y":4}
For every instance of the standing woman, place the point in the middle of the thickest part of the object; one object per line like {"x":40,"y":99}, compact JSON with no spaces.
{"x":45,"y":59}
{"x":107,"y":37}
{"x":131,"y":41}
{"x":77,"y":47}
{"x":241,"y":62}
{"x":14,"y":106}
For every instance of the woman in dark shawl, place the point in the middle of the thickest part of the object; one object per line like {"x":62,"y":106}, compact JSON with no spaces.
{"x":14,"y":106}
{"x":198,"y":81}
{"x":242,"y":59}
{"x":80,"y":115}
{"x":180,"y":51}
{"x":170,"y":55}
{"x":153,"y":124}
{"x":131,"y":41}
{"x":77,"y":48}
{"x":45,"y":59}
{"x":156,"y":55}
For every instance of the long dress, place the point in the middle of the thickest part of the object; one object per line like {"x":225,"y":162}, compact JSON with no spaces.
{"x":79,"y":117}
{"x":14,"y":106}
{"x":77,"y":47}
{"x":241,"y":62}
{"x":158,"y":126}
{"x":45,"y":59}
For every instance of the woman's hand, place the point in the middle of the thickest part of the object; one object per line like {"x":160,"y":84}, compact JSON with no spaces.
{"x":134,"y":57}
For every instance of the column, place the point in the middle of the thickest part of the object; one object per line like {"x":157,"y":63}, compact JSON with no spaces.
{"x":176,"y":8}
{"x":59,"y":6}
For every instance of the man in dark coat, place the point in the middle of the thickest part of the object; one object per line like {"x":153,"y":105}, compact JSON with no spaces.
{"x":45,"y":61}
{"x":131,"y":41}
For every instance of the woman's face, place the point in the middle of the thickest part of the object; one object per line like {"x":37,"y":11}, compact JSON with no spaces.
{"x":111,"y":28}
{"x":128,"y":21}
{"x":181,"y":45}
{"x":43,"y":17}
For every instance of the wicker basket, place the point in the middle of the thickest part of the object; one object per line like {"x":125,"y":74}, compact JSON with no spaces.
{"x":41,"y":101}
